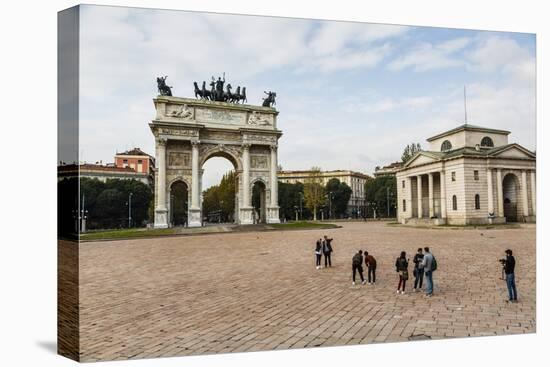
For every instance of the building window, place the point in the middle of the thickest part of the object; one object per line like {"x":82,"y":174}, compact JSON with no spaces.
{"x":476,"y":175}
{"x":446,"y":145}
{"x":403,"y":183}
{"x":454,"y":202}
{"x":478,"y":206}
{"x":487,"y":142}
{"x":124,"y":163}
{"x":453,"y":176}
{"x":404,"y":205}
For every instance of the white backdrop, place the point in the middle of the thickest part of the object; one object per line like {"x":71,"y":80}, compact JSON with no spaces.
{"x":28,"y":184}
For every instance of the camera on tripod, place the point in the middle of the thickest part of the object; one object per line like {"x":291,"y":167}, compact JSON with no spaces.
{"x":503,"y":263}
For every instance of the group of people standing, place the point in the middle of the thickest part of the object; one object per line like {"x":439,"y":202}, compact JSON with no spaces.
{"x":424,"y":266}
{"x":323,"y":247}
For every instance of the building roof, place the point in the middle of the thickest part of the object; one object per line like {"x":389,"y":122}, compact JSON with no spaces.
{"x":87,"y":167}
{"x":337,"y":172}
{"x":468,"y":127}
{"x":135,"y":151}
{"x":469,"y":152}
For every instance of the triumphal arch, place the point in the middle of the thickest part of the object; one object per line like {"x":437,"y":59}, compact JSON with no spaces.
{"x":190,"y":131}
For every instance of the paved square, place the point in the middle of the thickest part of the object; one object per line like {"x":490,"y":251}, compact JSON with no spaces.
{"x":260,"y":291}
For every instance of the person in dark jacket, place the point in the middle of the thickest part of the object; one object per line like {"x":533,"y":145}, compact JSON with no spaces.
{"x":356,"y":266}
{"x":318,"y":253}
{"x":370,"y":263}
{"x":418,"y":270}
{"x":509,"y":269}
{"x":402,"y":267}
{"x":327,"y":250}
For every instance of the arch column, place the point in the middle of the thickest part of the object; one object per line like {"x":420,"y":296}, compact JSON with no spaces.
{"x":161,"y":213}
{"x":273,"y":210}
{"x":246,"y":211}
{"x":194,"y":216}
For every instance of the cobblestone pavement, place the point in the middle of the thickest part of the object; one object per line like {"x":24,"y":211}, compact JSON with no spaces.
{"x":241,"y":292}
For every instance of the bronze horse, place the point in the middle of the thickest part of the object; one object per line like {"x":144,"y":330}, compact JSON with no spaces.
{"x":203,"y":93}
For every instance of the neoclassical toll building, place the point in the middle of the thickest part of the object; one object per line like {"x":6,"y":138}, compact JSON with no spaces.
{"x":470,"y":175}
{"x":188,"y":132}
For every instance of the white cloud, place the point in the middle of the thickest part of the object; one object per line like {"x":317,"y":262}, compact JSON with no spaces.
{"x":502,"y":55}
{"x":427,"y":56}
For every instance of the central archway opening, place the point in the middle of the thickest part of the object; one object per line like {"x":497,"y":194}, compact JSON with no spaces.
{"x":179,"y":202}
{"x":219,"y":194}
{"x":258,"y":202}
{"x":510,"y":188}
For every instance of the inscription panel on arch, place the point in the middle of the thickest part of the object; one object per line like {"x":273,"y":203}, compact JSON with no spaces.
{"x":215,"y":116}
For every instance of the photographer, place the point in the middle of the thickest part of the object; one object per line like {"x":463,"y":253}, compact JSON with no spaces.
{"x":509,"y":266}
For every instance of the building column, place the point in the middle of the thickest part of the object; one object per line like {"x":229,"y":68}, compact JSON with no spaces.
{"x":500,"y":194}
{"x":273,"y":211}
{"x":443,"y":194}
{"x":246,"y":214}
{"x":409,"y":200}
{"x":419,"y":194}
{"x":524,"y":196}
{"x":195,"y":208}
{"x":431,"y":193}
{"x":490,"y":202}
{"x":161,"y":213}
{"x":533,"y":192}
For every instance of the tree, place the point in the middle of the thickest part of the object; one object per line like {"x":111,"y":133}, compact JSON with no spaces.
{"x":107,"y":202}
{"x":410,"y":150}
{"x":379,"y":192}
{"x":290,"y":196}
{"x":314,"y":191}
{"x":221,"y":197}
{"x":340,"y":194}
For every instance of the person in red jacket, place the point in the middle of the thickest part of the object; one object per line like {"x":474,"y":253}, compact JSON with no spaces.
{"x":370,"y":263}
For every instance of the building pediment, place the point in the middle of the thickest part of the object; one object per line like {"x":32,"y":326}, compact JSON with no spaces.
{"x":512,"y":151}
{"x":422,"y":158}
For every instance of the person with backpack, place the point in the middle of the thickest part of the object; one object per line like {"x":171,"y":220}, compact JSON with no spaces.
{"x":402,"y":267}
{"x":318,"y":253}
{"x":327,"y":250}
{"x":418,"y":271}
{"x":356,"y":266}
{"x":370,"y":263}
{"x":429,"y":265}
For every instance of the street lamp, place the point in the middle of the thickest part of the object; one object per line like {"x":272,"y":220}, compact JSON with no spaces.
{"x":130,"y":210}
{"x":388,"y":195}
{"x":301,"y":211}
{"x":296,"y":211}
{"x":330,"y":197}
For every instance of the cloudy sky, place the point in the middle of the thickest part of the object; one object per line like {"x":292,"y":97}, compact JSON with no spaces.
{"x":350,"y":95}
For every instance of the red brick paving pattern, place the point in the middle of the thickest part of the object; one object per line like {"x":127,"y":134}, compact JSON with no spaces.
{"x":260,"y":291}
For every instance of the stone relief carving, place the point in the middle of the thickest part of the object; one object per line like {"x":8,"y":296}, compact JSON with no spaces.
{"x":258,"y":161}
{"x":178,"y":159}
{"x":183,"y":112}
{"x":256,"y":118}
